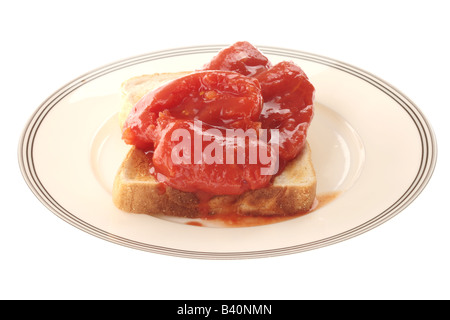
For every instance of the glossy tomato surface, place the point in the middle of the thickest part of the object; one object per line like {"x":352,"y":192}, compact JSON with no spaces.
{"x":241,"y":57}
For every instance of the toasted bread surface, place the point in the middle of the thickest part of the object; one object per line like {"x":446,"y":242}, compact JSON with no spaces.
{"x":136,"y":190}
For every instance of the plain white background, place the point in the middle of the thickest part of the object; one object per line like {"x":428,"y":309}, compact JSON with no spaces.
{"x":46,"y":44}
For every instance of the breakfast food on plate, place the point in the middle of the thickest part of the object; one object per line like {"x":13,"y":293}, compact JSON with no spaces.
{"x":227,"y":139}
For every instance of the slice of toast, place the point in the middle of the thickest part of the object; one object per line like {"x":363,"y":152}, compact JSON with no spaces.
{"x":135,"y":190}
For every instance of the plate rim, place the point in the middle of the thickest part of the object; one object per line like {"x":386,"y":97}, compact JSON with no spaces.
{"x":423,"y":176}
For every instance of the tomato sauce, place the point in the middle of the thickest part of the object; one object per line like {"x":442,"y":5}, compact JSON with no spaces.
{"x":232,"y":219}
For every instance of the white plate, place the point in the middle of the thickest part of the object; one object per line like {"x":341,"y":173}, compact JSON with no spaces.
{"x":371,"y":146}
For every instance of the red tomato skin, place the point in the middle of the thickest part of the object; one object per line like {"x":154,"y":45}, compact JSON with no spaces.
{"x":241,"y":57}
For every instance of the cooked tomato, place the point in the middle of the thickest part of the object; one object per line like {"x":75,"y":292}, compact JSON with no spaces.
{"x":214,"y":97}
{"x":185,"y":123}
{"x":192,"y":158}
{"x":241,"y":57}
{"x":288,"y":105}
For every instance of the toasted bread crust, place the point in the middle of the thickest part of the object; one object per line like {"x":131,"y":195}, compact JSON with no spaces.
{"x":135,"y":190}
